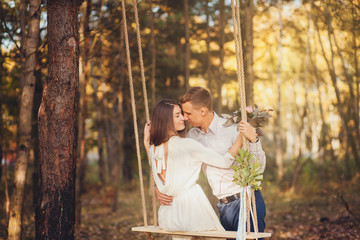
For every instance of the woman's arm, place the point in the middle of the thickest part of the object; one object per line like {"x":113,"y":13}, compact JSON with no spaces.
{"x":206,"y":155}
{"x":147,"y":136}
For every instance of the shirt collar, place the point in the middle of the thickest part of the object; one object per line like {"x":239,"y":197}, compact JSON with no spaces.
{"x":213,"y":125}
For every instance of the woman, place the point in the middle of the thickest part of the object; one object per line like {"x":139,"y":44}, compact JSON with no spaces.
{"x":176,"y":163}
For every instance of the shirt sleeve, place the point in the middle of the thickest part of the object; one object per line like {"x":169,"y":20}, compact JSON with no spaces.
{"x":206,"y":155}
{"x":256,"y":149}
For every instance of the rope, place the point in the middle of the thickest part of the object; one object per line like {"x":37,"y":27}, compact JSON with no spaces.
{"x":134,"y":112}
{"x":248,"y":204}
{"x":145,"y":102}
{"x":239,"y":62}
{"x":255,"y":213}
{"x":241,"y":80}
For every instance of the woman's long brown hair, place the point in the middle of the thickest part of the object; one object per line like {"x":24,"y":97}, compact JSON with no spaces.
{"x":162,"y":122}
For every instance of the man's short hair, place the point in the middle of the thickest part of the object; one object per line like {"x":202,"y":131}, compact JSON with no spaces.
{"x":199,"y":97}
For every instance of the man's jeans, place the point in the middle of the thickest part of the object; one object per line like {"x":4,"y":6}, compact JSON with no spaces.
{"x":229,"y":213}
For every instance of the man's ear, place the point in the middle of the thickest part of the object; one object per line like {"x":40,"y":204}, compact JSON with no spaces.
{"x":204,"y":111}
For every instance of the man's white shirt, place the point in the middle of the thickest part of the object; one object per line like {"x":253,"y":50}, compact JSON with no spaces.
{"x":221,"y":138}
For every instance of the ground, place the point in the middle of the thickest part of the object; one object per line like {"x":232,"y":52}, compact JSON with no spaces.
{"x":320,"y":215}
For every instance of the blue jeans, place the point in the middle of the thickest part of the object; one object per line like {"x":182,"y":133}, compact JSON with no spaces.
{"x":229,"y":213}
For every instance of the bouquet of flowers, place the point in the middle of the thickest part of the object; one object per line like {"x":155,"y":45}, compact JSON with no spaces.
{"x":256,"y":117}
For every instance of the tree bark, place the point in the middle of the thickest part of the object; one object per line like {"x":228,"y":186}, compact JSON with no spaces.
{"x":221,"y":54}
{"x":278,"y":154}
{"x":249,"y":52}
{"x":26,"y":106}
{"x":55,"y":216}
{"x":187,"y":44}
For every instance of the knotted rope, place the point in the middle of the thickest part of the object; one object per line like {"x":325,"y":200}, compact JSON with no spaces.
{"x":235,"y":9}
{"x":133,"y":106}
{"x":145,"y":102}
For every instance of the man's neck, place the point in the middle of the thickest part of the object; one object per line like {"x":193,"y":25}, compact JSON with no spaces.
{"x":207,"y":121}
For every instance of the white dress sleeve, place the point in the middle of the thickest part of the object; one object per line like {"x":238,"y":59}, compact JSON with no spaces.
{"x":206,"y":155}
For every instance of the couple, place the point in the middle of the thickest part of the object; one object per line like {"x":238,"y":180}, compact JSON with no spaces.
{"x":176,"y":162}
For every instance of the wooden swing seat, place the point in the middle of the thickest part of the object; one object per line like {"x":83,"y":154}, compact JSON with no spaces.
{"x":199,"y":235}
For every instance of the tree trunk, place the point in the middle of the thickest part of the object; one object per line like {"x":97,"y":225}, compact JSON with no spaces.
{"x":22,"y":12}
{"x":26,"y":106}
{"x":100,"y":139}
{"x":153,"y":57}
{"x":35,"y":133}
{"x":108,"y":137}
{"x":208,"y":56}
{"x":83,"y":79}
{"x":117,"y":125}
{"x":187,"y":44}
{"x":7,"y":197}
{"x":221,"y":52}
{"x":249,"y":52}
{"x":325,"y":135}
{"x":304,"y":117}
{"x":350,"y":82}
{"x":356,"y":65}
{"x":1,"y":115}
{"x":55,"y":216}
{"x":279,"y":157}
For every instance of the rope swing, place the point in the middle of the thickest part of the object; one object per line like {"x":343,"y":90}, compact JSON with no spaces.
{"x":241,"y":80}
{"x":133,"y":105}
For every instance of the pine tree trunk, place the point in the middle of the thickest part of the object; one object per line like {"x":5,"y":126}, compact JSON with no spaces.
{"x":222,"y":53}
{"x":55,"y":216}
{"x":249,"y":52}
{"x":278,"y":132}
{"x":26,"y":106}
{"x":35,"y":134}
{"x":187,"y":44}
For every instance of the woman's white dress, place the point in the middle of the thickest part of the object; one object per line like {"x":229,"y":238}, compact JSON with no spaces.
{"x":190,"y":209}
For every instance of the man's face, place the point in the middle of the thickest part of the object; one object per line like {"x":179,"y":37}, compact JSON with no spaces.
{"x":192,"y":115}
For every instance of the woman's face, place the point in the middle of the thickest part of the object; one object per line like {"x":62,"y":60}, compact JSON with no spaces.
{"x":179,"y":122}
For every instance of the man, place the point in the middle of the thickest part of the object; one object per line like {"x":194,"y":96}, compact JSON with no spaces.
{"x":208,"y":129}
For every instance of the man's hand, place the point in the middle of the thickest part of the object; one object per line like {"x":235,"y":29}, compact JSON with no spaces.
{"x":248,"y":131}
{"x":162,"y":198}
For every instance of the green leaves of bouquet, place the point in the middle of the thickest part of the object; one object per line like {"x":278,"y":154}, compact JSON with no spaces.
{"x":247,"y":170}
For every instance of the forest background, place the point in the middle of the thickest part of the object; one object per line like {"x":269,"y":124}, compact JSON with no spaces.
{"x":301,"y":60}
